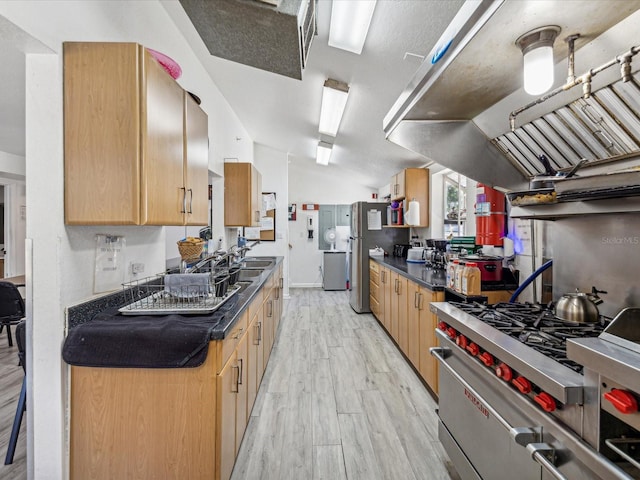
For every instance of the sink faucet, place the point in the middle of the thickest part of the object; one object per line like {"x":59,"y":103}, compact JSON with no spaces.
{"x":242,"y":250}
{"x":216,"y":257}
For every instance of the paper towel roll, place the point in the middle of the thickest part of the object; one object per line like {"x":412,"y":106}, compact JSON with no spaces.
{"x":412,"y":217}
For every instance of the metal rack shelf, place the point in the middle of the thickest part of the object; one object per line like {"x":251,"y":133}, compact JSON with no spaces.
{"x":569,"y":209}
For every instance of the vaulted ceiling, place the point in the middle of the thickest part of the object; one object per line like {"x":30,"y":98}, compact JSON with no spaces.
{"x":283,"y":113}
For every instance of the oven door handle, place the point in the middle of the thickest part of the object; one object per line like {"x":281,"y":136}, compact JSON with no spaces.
{"x":544,"y":454}
{"x":611,"y":443}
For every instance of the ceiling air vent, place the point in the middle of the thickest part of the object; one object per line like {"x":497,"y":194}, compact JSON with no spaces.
{"x":274,"y":35}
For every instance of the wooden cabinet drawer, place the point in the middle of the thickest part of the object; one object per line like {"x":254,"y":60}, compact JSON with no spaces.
{"x":375,"y":306}
{"x":233,"y":338}
{"x":256,"y":305}
{"x":374,"y":276}
{"x":374,"y":291}
{"x":374,"y":267}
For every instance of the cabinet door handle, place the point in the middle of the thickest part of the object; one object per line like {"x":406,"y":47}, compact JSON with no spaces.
{"x":395,"y":285}
{"x":184,"y":200}
{"x":416,"y":303}
{"x":270,"y":314}
{"x":420,"y":304}
{"x":281,"y":282}
{"x":399,"y":287}
{"x":384,"y":276}
{"x":259,"y":332}
{"x":237,"y":369}
{"x":240,"y":372}
{"x":190,"y":201}
{"x":256,"y":339}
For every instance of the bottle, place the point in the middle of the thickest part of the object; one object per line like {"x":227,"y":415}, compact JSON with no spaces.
{"x":457,"y":282}
{"x":451,"y":272}
{"x":242,"y":241}
{"x":471,"y":279}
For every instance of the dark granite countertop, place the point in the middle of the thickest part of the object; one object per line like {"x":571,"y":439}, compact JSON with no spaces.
{"x":221,"y":320}
{"x":432,"y":278}
{"x":227,"y":321}
{"x":435,"y":278}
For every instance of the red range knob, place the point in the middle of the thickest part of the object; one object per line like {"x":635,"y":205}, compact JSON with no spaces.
{"x":522,"y":384}
{"x":473,"y":349}
{"x":451,"y":333}
{"x":461,"y":341}
{"x":504,"y":372}
{"x":546,"y":401}
{"x":442,"y":326}
{"x":623,"y":401}
{"x":487,"y":359}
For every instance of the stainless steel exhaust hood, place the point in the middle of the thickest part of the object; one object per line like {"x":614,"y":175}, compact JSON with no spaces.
{"x":455,"y":111}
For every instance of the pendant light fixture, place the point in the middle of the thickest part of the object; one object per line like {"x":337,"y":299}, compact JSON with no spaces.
{"x":537,"y":50}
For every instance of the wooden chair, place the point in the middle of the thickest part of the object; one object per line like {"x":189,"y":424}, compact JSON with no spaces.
{"x":22,"y":400}
{"x":11,"y":308}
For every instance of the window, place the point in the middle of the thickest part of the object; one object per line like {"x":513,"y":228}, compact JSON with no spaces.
{"x":455,"y":204}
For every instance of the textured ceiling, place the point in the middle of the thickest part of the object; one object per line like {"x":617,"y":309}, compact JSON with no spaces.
{"x":283,"y":113}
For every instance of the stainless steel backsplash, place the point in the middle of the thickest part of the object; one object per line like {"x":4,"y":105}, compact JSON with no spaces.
{"x":600,"y":250}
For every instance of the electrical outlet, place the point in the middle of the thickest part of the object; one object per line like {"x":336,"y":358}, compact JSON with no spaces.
{"x":137,"y":268}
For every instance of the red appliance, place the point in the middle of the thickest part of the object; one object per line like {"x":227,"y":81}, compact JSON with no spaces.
{"x":490,"y":216}
{"x":490,"y":267}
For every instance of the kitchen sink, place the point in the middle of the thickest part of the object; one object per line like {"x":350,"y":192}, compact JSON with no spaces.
{"x":250,"y":262}
{"x":243,"y":285}
{"x":249,"y":273}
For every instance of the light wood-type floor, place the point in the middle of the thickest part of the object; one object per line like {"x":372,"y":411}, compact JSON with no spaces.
{"x":339,"y":401}
{"x":10,"y":383}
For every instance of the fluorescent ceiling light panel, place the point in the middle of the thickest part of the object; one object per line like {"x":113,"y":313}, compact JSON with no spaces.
{"x":334,"y":99}
{"x":323,"y":153}
{"x":350,"y":22}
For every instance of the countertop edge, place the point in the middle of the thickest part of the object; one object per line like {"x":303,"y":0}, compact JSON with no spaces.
{"x":220,"y":334}
{"x":399,"y":265}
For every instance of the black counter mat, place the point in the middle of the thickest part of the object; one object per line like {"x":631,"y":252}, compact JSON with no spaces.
{"x":143,"y":341}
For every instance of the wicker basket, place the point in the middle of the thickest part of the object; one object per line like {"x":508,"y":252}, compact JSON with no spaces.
{"x":189,"y":250}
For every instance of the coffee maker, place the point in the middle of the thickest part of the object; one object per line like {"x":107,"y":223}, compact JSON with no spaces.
{"x":436,"y":253}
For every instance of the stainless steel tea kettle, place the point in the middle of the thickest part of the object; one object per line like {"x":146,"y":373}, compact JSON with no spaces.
{"x":579,"y":307}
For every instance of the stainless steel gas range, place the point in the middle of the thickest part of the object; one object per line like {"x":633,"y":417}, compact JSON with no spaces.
{"x":511,"y":403}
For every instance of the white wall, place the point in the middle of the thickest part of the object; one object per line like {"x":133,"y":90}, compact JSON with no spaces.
{"x":63,"y":257}
{"x":15,"y":226}
{"x":312,"y":183}
{"x":274,"y":168}
{"x":11,"y":165}
{"x":12,"y":172}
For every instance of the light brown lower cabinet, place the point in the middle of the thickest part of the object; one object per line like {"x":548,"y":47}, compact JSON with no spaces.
{"x":385,"y":297}
{"x":179,"y":423}
{"x":414,"y":310}
{"x":404,"y":312}
{"x":428,"y":324}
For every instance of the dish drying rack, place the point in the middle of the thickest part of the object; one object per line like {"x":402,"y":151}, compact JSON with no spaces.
{"x":151,"y":296}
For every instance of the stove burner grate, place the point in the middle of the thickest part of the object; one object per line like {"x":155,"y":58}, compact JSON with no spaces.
{"x":534,"y":325}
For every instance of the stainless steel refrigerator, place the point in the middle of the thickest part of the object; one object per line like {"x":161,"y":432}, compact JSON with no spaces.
{"x":368,"y":231}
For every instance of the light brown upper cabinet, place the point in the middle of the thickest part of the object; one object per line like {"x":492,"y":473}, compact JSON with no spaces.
{"x":397,"y":185}
{"x":136,"y":144}
{"x":409,"y":184}
{"x":242,"y":195}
